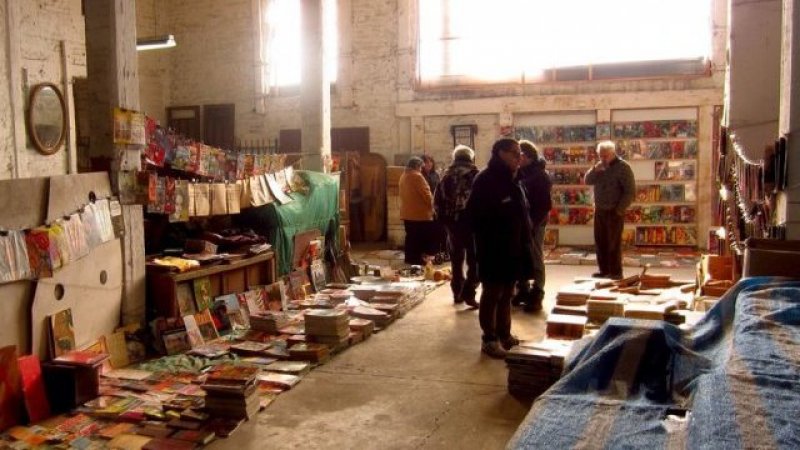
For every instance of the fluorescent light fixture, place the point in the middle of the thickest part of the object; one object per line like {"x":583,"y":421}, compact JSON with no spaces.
{"x":155,"y":43}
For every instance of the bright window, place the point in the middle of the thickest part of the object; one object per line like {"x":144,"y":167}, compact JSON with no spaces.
{"x":284,"y":42}
{"x":502,"y":40}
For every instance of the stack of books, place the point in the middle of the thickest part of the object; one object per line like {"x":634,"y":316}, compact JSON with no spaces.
{"x":316,"y":353}
{"x":231,"y":392}
{"x":654,"y":281}
{"x":328,"y":326}
{"x":269,"y":322}
{"x":380,"y":318}
{"x":363,"y":326}
{"x":572,"y":296}
{"x":599,"y":310}
{"x":562,"y":326}
{"x":534,"y":367}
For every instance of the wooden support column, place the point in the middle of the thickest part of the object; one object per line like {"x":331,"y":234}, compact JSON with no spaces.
{"x":315,"y":93}
{"x":789,"y":202}
{"x":113,"y":76}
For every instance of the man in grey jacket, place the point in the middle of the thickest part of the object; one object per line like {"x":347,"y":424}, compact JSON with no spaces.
{"x":614,"y":191}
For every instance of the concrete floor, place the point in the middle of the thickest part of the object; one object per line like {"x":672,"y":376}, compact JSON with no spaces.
{"x":421,"y":383}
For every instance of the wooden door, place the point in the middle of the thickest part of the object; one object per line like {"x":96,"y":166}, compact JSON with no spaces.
{"x":355,"y":139}
{"x":219,"y":125}
{"x":186,"y":121}
{"x":289,"y":141}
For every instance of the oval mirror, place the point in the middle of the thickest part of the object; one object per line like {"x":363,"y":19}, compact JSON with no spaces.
{"x":47,"y":118}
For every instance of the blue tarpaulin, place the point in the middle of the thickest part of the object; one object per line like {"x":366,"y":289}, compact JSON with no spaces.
{"x":731,"y":382}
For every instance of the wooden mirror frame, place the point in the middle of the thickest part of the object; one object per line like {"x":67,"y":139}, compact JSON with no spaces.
{"x":37,"y":143}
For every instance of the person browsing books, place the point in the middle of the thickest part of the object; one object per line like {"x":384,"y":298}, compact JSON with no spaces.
{"x":449,"y":202}
{"x":416,"y":211}
{"x":497,"y":211}
{"x":537,"y":184}
{"x":614,"y":191}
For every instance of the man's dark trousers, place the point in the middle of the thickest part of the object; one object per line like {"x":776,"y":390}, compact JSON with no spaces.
{"x":462,"y":250}
{"x":495,"y":310}
{"x":608,"y":227}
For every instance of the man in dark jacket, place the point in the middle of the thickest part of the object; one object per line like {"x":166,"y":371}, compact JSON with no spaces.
{"x":537,"y":184}
{"x":498,"y":212}
{"x":449,"y":202}
{"x":614,"y":191}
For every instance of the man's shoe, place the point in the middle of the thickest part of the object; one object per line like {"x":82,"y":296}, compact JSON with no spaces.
{"x":472,"y":303}
{"x":615,"y":277}
{"x":493,"y":349}
{"x":509,"y":342}
{"x":457,"y":301}
{"x":599,"y":275}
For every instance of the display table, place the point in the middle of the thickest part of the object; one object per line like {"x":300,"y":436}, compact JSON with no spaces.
{"x":231,"y":278}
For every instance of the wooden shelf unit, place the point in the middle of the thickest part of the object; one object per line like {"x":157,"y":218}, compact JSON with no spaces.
{"x":232,"y":278}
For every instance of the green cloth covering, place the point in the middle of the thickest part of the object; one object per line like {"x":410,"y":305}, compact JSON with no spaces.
{"x":318,"y":208}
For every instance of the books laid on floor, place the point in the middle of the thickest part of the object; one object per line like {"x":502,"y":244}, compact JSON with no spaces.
{"x":231,"y":391}
{"x":363,"y":326}
{"x":380,"y":318}
{"x":574,"y":294}
{"x":327,"y":323}
{"x":269,"y":322}
{"x":600,"y":310}
{"x":279,"y":380}
{"x":534,"y":367}
{"x":317,"y":353}
{"x":566,"y":326}
{"x":81,"y":358}
{"x":297,"y":368}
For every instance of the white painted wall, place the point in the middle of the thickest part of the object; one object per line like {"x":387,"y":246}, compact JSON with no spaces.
{"x":30,"y":53}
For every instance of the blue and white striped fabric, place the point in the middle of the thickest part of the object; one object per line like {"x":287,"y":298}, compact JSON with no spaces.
{"x":732,"y":382}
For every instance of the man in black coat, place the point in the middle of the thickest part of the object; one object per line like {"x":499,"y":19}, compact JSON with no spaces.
{"x":537,"y":184}
{"x":498,"y":212}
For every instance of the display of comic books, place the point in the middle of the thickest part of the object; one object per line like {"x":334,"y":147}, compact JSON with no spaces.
{"x":556,"y":133}
{"x":202,"y":293}
{"x":675,"y":170}
{"x":656,"y":129}
{"x":571,"y":216}
{"x":644,"y":149}
{"x":660,"y":214}
{"x":676,"y":235}
{"x":567,"y":176}
{"x":573,"y":196}
{"x":570,"y":155}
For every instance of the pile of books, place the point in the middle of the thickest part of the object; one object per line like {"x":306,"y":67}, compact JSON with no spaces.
{"x":649,"y":311}
{"x":316,"y":353}
{"x":380,"y":318}
{"x":328,"y":326}
{"x":562,"y":326}
{"x":573,"y":295}
{"x":269,"y":322}
{"x":655,"y":281}
{"x":534,"y":367}
{"x":231,"y":392}
{"x":599,"y":310}
{"x":363,"y":327}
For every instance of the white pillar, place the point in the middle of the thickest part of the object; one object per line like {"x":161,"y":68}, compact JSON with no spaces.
{"x":113,"y":76}
{"x":315,"y":96}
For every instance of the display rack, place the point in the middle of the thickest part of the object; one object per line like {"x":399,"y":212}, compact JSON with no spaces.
{"x":569,"y":150}
{"x":663,"y":156}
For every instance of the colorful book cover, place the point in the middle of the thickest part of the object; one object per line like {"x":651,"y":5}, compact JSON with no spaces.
{"x":193,"y":331}
{"x":11,"y":391}
{"x":81,"y":358}
{"x":33,"y":388}
{"x":202,"y":293}
{"x":219,"y":314}
{"x":176,"y":342}
{"x":206,"y":325}
{"x":184,"y":294}
{"x":62,"y":332}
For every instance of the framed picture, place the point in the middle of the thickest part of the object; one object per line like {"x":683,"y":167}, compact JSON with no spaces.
{"x":464,"y":134}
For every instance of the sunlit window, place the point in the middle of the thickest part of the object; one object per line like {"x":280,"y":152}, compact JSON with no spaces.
{"x":506,"y":39}
{"x":284,"y":43}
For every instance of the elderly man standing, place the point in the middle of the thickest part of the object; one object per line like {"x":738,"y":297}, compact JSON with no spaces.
{"x":498,"y":212}
{"x":614,"y":191}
